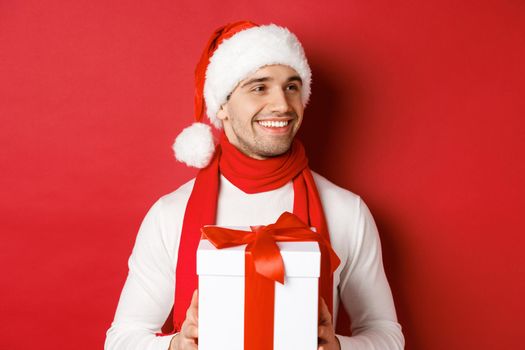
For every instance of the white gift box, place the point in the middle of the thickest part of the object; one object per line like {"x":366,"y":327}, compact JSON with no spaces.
{"x":221,"y":297}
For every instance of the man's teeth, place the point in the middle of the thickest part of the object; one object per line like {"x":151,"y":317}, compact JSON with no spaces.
{"x":273,"y":124}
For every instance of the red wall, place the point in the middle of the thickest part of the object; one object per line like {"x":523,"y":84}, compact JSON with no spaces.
{"x":417,"y":106}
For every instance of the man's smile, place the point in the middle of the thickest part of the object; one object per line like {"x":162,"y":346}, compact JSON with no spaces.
{"x":273,"y":124}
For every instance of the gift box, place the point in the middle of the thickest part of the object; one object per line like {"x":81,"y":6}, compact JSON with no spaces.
{"x":222,"y":297}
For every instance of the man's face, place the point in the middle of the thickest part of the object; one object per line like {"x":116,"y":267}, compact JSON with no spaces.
{"x":264,"y":112}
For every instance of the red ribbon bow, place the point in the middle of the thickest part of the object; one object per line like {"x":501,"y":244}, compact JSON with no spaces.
{"x":263,"y":266}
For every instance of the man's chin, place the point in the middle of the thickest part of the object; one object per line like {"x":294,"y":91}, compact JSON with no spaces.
{"x":272,"y":151}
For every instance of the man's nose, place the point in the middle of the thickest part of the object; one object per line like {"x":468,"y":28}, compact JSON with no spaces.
{"x":279,"y":102}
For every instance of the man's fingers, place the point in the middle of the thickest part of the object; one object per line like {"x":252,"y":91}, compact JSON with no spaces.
{"x":194,"y":307}
{"x":190,"y":330}
{"x":323,"y":332}
{"x":188,"y":345}
{"x":324,"y":315}
{"x":181,"y":342}
{"x":195,"y":298}
{"x":192,"y":314}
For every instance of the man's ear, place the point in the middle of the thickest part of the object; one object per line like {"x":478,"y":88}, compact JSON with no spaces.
{"x":222,"y":113}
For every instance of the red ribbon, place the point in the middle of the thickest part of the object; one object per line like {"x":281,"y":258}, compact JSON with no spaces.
{"x":263,"y":267}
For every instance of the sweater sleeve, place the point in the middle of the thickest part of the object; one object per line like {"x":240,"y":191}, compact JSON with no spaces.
{"x":147,"y":296}
{"x":365,"y":292}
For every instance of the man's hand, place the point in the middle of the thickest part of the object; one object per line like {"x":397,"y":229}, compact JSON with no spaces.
{"x":189,"y":333}
{"x":325,"y":332}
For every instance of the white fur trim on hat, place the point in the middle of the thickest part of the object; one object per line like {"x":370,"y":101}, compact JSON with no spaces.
{"x":194,"y":145}
{"x":246,"y":52}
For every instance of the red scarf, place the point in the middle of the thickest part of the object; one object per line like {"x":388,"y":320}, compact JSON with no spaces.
{"x":251,"y":176}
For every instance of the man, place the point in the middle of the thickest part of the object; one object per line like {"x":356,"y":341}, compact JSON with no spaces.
{"x":255,"y":81}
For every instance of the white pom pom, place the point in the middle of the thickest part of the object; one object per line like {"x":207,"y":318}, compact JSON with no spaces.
{"x":194,"y":145}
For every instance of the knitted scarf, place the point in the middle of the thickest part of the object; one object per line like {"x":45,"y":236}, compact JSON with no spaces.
{"x":251,"y":176}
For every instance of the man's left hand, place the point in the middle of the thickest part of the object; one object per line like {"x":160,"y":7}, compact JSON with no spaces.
{"x":326,"y":335}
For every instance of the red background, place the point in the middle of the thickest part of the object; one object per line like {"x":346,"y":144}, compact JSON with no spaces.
{"x":417,"y":106}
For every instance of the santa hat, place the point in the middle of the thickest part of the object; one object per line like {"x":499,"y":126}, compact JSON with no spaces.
{"x":233,"y":52}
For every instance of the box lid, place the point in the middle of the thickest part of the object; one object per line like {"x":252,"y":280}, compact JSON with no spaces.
{"x":301,"y":259}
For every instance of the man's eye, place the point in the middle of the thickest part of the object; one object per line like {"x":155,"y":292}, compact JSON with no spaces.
{"x":259,"y":88}
{"x":292,"y":87}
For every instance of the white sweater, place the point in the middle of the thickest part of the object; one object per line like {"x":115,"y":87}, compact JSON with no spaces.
{"x":360,"y":281}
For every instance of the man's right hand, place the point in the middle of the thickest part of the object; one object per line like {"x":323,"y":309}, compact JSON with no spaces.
{"x":187,"y":338}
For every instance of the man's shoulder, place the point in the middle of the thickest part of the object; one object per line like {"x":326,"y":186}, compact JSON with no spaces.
{"x":329,"y":190}
{"x":341,"y":207}
{"x":177,"y":199}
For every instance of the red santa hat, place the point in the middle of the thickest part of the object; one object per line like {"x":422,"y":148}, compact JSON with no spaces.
{"x":233,"y":52}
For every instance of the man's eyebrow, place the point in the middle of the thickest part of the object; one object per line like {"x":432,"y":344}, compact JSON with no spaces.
{"x":295,"y":78}
{"x":256,"y":80}
{"x":263,"y":79}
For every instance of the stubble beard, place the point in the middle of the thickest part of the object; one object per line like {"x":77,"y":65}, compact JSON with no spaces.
{"x":258,"y":146}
